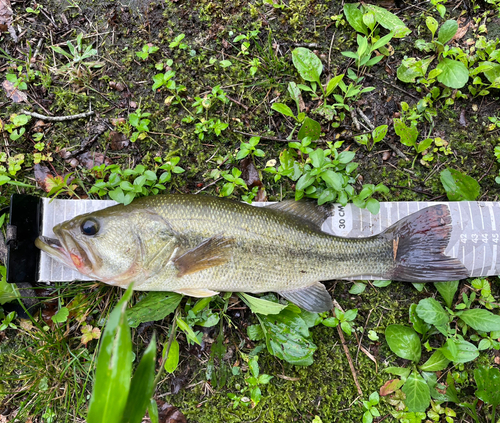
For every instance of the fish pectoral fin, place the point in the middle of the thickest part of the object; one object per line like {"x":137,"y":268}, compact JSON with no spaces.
{"x":196,"y":292}
{"x":214,"y":251}
{"x":314,"y":298}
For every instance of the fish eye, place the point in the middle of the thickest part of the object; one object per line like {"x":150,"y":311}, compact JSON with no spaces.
{"x":89,"y":227}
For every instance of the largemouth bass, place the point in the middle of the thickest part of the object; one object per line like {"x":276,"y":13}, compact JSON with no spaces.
{"x":198,"y":245}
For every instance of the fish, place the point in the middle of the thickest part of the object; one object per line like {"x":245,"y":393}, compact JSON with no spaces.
{"x":200,"y":245}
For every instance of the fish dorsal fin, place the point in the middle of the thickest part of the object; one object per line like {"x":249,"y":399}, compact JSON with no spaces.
{"x":211,"y":252}
{"x":314,"y":298}
{"x":309,"y":211}
{"x":196,"y":292}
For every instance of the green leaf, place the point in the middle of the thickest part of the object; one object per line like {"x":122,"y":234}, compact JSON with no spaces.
{"x":333,"y":179}
{"x":459,"y":351}
{"x":172,"y":360}
{"x":493,"y":71}
{"x":430,"y":311}
{"x":8,"y":291}
{"x":357,"y":288}
{"x":459,"y":187}
{"x":418,"y":324}
{"x":113,"y":368}
{"x":155,"y":306}
{"x":488,"y":385}
{"x":424,"y":145}
{"x":447,"y":291}
{"x":310,"y":128}
{"x":308,"y":64}
{"x":402,"y":372}
{"x":404,"y":342}
{"x":153,"y":411}
{"x":283,"y":109}
{"x":373,"y":206}
{"x":432,"y":24}
{"x":142,"y":386}
{"x":188,"y":330}
{"x":260,"y":305}
{"x":255,"y":332}
{"x":437,"y":361}
{"x":61,"y":316}
{"x":408,"y":134}
{"x":332,"y":84}
{"x":418,"y":396}
{"x":389,"y":20}
{"x":288,"y":338}
{"x":454,"y":73}
{"x":447,"y":31}
{"x":379,"y":133}
{"x":480,"y":319}
{"x":410,"y":69}
{"x":355,"y":17}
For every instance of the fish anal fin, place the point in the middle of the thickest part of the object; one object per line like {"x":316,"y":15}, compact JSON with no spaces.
{"x":196,"y":292}
{"x":213,"y":251}
{"x":314,"y":298}
{"x":309,"y":211}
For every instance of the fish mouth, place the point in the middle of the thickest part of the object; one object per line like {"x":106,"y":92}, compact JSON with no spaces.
{"x":65,"y":250}
{"x":54,"y":249}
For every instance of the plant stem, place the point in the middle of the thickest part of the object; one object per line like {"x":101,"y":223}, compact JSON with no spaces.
{"x":173,"y":330}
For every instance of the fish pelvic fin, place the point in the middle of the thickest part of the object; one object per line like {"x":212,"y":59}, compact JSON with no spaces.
{"x":196,"y":292}
{"x":418,"y":243}
{"x":314,"y":298}
{"x":213,"y":251}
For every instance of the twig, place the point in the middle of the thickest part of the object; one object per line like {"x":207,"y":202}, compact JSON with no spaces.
{"x":398,"y":152}
{"x":346,"y":350}
{"x":209,"y":185}
{"x":237,"y":102}
{"x":393,"y":85}
{"x":58,"y":118}
{"x":365,"y":118}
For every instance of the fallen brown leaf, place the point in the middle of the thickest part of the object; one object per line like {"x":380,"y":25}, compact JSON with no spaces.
{"x":5,"y":15}
{"x":41,"y":174}
{"x":12,"y":92}
{"x":118,"y":141}
{"x":89,"y":160}
{"x":249,"y":173}
{"x":462,"y":30}
{"x":169,"y":414}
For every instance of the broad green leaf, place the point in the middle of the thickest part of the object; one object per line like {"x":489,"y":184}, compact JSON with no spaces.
{"x":317,"y":157}
{"x":283,"y":109}
{"x":447,"y":291}
{"x":287,"y":337}
{"x":153,"y":411}
{"x":437,"y":361}
{"x":310,"y":128}
{"x":357,"y":288}
{"x":424,"y":145}
{"x":404,"y":342}
{"x":373,"y":206}
{"x":61,"y":316}
{"x":172,"y":360}
{"x":454,"y":73}
{"x":432,"y":24}
{"x":155,"y":306}
{"x":408,"y":134}
{"x":488,"y":385}
{"x":255,"y":332}
{"x":458,"y":186}
{"x":142,"y":386}
{"x":389,"y":20}
{"x":447,"y":31}
{"x":333,"y":179}
{"x":410,"y":69}
{"x":308,"y":64}
{"x":332,"y":84}
{"x":493,"y":71}
{"x":459,"y":351}
{"x":304,"y":181}
{"x":113,"y":368}
{"x":260,"y":305}
{"x":430,"y":311}
{"x":480,"y":319}
{"x":355,"y":17}
{"x":402,"y":372}
{"x":418,"y":396}
{"x":418,"y":324}
{"x":379,"y":133}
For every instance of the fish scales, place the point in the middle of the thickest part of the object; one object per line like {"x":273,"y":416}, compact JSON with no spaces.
{"x":200,"y":245}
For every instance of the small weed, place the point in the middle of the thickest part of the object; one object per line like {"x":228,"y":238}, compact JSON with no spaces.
{"x":16,"y":128}
{"x":147,"y":50}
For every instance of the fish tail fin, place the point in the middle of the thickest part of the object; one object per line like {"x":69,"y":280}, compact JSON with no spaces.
{"x":419,"y":242}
